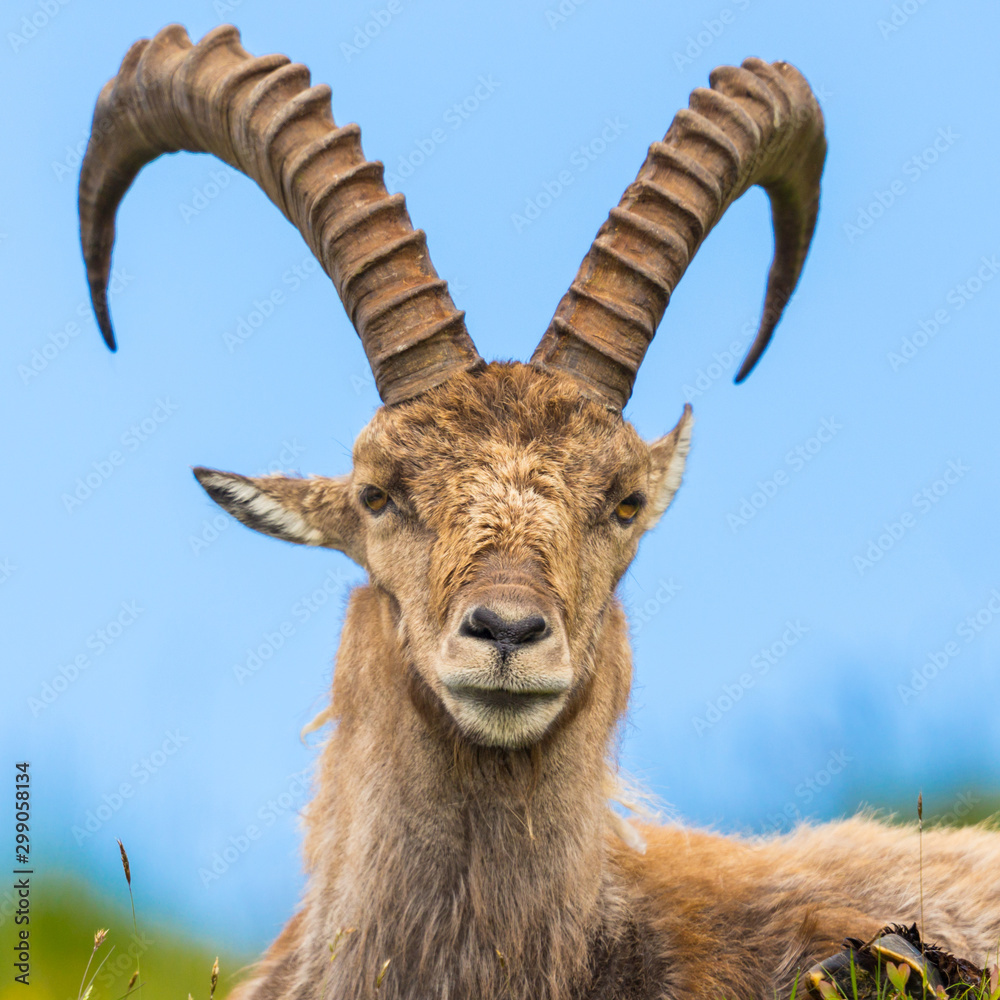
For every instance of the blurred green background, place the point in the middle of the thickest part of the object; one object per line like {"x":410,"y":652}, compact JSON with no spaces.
{"x":65,"y":915}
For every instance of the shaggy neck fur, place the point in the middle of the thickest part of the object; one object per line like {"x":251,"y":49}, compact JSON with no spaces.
{"x":481,"y":873}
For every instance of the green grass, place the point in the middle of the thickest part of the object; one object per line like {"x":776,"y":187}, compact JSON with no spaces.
{"x":898,"y":982}
{"x":893,"y":981}
{"x":65,"y":915}
{"x":963,"y":808}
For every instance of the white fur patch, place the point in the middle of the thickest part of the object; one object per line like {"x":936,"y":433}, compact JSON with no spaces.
{"x":674,"y":472}
{"x":625,"y":832}
{"x":275,"y":517}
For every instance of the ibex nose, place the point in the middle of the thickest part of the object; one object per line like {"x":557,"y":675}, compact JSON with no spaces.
{"x":507,"y":636}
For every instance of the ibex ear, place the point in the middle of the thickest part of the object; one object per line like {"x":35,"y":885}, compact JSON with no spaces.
{"x":314,"y":511}
{"x":669,"y":455}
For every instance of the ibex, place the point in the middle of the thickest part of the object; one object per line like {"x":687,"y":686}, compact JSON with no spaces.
{"x":460,"y":843}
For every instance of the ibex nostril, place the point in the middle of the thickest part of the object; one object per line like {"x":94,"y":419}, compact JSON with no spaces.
{"x":482,"y":623}
{"x":529,"y":629}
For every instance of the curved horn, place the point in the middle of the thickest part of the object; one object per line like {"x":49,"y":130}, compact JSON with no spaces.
{"x":261,"y":116}
{"x":760,"y":124}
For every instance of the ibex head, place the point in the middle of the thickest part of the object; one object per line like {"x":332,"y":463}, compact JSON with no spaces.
{"x":497,"y":505}
{"x":498,"y":510}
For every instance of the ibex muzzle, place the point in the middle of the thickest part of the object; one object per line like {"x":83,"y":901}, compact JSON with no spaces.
{"x":506,"y":669}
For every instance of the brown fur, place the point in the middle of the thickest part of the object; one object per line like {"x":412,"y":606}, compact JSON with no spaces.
{"x":480,"y":862}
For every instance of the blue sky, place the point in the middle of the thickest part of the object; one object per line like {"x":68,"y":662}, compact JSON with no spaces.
{"x":815,"y":620}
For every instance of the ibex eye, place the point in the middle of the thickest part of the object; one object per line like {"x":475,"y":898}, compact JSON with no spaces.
{"x":628,"y":508}
{"x":374,"y":499}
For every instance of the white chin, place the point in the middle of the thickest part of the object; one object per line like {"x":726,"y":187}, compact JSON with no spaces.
{"x":511,"y":722}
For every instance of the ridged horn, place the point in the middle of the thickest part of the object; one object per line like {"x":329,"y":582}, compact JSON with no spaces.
{"x":760,"y":124}
{"x":261,"y":116}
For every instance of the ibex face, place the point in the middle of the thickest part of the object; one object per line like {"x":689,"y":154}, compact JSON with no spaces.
{"x":498,"y":511}
{"x":495,"y":505}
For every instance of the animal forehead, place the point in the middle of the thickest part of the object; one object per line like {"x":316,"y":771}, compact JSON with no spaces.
{"x":509,"y":424}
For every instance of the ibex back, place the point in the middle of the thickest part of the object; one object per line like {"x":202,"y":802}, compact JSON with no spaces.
{"x":460,"y":844}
